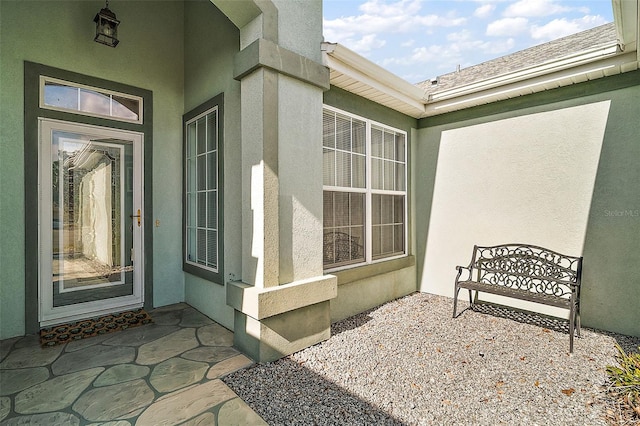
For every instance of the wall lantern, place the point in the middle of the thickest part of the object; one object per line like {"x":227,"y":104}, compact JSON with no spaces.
{"x":106,"y":27}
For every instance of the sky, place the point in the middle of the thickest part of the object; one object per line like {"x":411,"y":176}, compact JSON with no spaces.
{"x":421,"y":39}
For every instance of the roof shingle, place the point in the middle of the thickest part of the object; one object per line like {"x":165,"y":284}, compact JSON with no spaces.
{"x":532,"y":56}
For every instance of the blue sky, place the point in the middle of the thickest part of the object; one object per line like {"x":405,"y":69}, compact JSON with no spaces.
{"x":421,"y":39}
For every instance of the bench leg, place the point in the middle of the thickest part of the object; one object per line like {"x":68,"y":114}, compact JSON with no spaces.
{"x":455,"y":300}
{"x":578,"y":319}
{"x":571,"y":331}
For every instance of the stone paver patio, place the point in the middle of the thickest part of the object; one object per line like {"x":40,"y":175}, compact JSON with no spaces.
{"x":165,"y":373}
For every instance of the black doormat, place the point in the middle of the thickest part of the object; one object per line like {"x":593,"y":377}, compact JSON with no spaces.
{"x":64,"y":333}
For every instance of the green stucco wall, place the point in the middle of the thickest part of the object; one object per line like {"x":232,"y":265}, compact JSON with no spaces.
{"x":150,"y":56}
{"x":299,"y":27}
{"x":607,"y":215}
{"x":211,"y":41}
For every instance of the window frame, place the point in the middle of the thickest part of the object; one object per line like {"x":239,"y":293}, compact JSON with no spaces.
{"x":44,"y":79}
{"x":369,"y":192}
{"x":206,"y":272}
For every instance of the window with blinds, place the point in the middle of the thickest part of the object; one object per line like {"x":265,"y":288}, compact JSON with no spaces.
{"x":202,"y":190}
{"x":365,"y":196}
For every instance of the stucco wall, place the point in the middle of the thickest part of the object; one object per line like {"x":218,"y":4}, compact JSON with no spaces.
{"x":300,"y":192}
{"x":60,"y":34}
{"x":557,"y":169}
{"x":300,"y":23}
{"x":368,"y":286}
{"x":211,"y":41}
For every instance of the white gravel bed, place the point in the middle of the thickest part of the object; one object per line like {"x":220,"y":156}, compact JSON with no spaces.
{"x":409,"y":362}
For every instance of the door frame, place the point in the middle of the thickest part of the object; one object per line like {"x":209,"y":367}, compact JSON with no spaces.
{"x":51,"y":315}
{"x":32,"y":113}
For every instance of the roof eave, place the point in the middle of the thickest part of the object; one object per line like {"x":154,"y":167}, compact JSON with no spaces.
{"x":365,"y":66}
{"x":532,"y":83}
{"x":375,"y":82}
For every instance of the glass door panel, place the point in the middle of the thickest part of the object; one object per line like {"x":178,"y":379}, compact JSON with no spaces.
{"x":90,"y":231}
{"x":90,"y":236}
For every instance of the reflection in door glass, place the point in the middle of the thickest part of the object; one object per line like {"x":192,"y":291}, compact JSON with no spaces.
{"x":92,"y":234}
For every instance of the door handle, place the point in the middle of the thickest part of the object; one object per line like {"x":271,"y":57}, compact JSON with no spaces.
{"x":136,"y":215}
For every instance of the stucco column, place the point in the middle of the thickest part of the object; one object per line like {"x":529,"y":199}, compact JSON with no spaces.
{"x":282,"y":301}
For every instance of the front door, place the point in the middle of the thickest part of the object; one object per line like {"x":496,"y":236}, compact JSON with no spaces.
{"x":90,"y":228}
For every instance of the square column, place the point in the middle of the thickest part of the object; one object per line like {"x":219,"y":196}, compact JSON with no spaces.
{"x":282,"y":302}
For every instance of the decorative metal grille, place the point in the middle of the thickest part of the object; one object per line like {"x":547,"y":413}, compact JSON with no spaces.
{"x":341,"y":248}
{"x":525,"y":267}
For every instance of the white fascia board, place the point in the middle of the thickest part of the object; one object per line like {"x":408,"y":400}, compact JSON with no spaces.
{"x":373,"y":71}
{"x":572,"y":61}
{"x":608,"y":66}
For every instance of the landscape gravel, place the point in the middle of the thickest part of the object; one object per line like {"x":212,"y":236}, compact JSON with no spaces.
{"x":409,"y":362}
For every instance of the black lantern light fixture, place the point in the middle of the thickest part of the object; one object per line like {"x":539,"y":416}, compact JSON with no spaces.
{"x":106,"y":27}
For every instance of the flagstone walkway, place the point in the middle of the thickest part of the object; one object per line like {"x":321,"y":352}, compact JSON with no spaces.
{"x":165,"y":373}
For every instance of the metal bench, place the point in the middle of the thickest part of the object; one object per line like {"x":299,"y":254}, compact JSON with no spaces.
{"x":524,"y":272}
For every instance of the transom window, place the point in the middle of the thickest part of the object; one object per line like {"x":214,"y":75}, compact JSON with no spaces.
{"x":365,"y":199}
{"x":62,"y":95}
{"x":203,"y":173}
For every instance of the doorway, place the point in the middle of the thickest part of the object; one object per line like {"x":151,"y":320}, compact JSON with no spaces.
{"x":90,"y":232}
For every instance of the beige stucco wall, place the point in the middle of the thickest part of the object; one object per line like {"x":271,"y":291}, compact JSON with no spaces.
{"x":526,"y":179}
{"x":556,"y":169}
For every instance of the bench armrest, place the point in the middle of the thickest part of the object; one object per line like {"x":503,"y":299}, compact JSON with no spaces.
{"x":461,"y":269}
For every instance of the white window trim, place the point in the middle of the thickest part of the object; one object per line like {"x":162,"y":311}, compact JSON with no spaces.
{"x":45,"y":79}
{"x":369,"y":191}
{"x":207,"y":171}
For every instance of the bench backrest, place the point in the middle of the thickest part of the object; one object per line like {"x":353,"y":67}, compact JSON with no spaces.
{"x":527,"y":267}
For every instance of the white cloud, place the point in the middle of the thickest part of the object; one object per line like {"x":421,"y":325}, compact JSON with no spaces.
{"x":460,"y":36}
{"x":380,"y":17}
{"x":562,"y":27}
{"x":408,"y":43}
{"x":448,"y":56}
{"x":426,"y":54}
{"x":439,"y":21}
{"x":403,"y":7}
{"x":534,"y":8}
{"x":507,"y":27}
{"x":484,"y":11}
{"x":366,"y":43}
